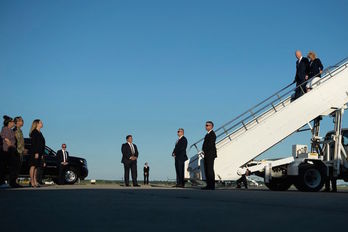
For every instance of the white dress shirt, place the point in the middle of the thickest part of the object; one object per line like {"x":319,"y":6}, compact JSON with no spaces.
{"x":132,"y":148}
{"x":64,"y":155}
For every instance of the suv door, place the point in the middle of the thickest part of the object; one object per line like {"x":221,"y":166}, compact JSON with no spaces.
{"x":51,"y":163}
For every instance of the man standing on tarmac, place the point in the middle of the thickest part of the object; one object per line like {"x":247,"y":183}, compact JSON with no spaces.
{"x":19,"y":122}
{"x":209,"y":150}
{"x":129,"y":159}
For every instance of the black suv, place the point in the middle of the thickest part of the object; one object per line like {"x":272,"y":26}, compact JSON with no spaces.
{"x":76,"y":169}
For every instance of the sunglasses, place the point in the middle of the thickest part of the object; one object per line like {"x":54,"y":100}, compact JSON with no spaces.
{"x":207,"y":125}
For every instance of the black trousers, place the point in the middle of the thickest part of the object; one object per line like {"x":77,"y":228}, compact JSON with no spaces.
{"x":209,"y":172}
{"x":2,"y":167}
{"x":242,"y":180}
{"x":132,"y":166}
{"x":146,"y":178}
{"x":39,"y":173}
{"x":179,"y":168}
{"x":331,"y":179}
{"x":300,"y":90}
{"x":13,"y":165}
{"x":333,"y":184}
{"x":61,"y":176}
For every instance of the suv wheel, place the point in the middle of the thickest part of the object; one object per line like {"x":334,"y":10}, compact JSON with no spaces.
{"x":71,"y":176}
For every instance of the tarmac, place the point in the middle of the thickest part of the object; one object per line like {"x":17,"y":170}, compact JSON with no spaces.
{"x":116,"y":208}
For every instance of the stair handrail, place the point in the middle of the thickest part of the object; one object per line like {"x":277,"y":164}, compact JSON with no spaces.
{"x":327,"y":73}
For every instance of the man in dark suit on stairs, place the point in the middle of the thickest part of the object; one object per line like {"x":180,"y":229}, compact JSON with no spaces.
{"x":179,"y":153}
{"x":209,"y":150}
{"x":302,"y":70}
{"x":129,"y":159}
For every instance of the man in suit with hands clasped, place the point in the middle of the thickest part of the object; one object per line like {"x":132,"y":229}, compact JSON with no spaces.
{"x":129,"y":159}
{"x":179,"y":153}
{"x":63,"y":161}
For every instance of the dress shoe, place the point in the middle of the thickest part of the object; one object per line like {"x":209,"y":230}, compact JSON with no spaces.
{"x":136,"y":185}
{"x":126,"y":185}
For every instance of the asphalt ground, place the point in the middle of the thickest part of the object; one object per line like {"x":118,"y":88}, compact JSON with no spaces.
{"x":116,"y":208}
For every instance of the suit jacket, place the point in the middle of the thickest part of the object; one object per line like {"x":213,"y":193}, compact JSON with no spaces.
{"x":38,"y":143}
{"x":209,"y":147}
{"x":315,"y":67}
{"x":302,"y":69}
{"x":60,"y":156}
{"x":146,"y":169}
{"x":127,"y":152}
{"x":180,"y":149}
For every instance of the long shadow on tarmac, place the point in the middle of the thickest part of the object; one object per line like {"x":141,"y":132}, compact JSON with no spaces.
{"x":157,"y":209}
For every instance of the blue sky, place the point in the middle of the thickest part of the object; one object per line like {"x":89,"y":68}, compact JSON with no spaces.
{"x":95,"y":71}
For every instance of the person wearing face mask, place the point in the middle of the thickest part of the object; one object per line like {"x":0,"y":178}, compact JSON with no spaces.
{"x":10,"y":150}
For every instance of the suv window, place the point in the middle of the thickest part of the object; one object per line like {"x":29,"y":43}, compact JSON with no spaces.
{"x":49,"y":152}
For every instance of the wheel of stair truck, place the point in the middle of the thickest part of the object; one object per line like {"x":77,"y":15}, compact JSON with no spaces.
{"x":311,"y":178}
{"x":279,"y":184}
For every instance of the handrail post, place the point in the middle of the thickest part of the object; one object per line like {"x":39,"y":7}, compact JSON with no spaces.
{"x":195,"y":145}
{"x":274,"y":107}
{"x":226,"y":132}
{"x":244,"y":125}
{"x":280,"y":99}
{"x":252,"y":114}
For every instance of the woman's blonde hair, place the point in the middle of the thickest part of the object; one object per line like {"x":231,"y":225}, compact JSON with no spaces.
{"x":34,"y":126}
{"x":312,"y":55}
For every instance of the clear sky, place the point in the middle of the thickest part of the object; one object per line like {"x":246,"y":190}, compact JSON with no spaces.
{"x":95,"y":71}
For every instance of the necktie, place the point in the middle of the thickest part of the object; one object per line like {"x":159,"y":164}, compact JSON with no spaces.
{"x":64,"y":157}
{"x":132,"y":149}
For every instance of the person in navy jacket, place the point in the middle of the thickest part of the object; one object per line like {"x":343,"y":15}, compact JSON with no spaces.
{"x":302,"y":71}
{"x":179,"y":153}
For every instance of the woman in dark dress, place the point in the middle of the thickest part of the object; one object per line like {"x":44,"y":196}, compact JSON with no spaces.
{"x":315,"y":65}
{"x":315,"y":71}
{"x":37,"y":150}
